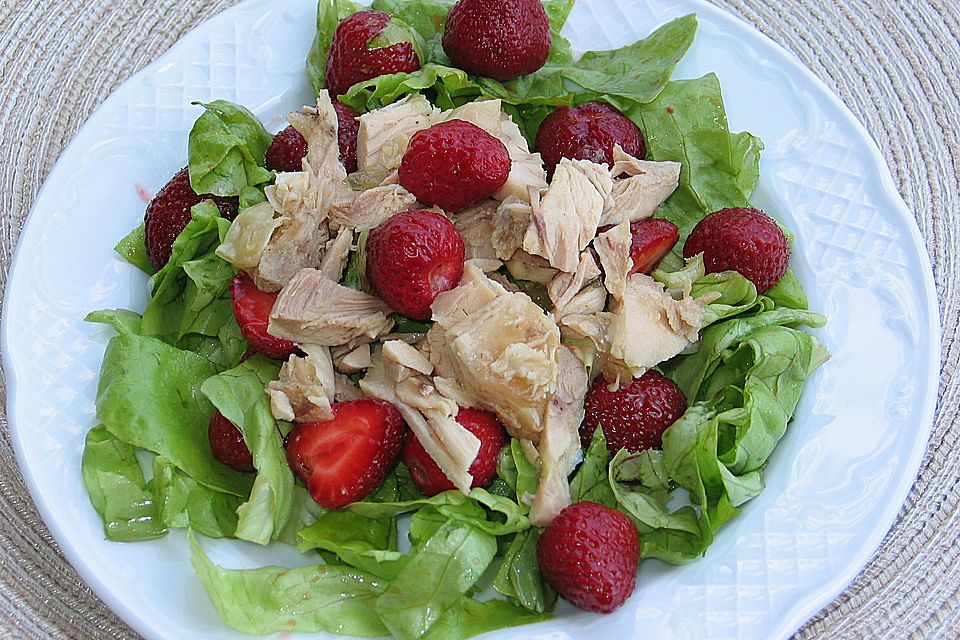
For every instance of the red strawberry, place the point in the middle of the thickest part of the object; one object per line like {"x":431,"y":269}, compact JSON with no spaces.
{"x":289,"y":147}
{"x":412,"y":258}
{"x":500,"y":39}
{"x":252,"y":308}
{"x":343,"y":459}
{"x":587,"y":132}
{"x":169,"y":212}
{"x":744,"y":240}
{"x":635,"y":416}
{"x":653,"y":238}
{"x":454,"y":165}
{"x":589,"y":554}
{"x":227,"y":445}
{"x":427,"y":475}
{"x":352,"y":59}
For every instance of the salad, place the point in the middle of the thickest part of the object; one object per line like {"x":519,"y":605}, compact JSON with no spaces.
{"x":508,"y":301}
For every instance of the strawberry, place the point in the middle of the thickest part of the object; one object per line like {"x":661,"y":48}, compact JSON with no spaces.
{"x":169,"y":212}
{"x":252,"y":308}
{"x":454,"y":165}
{"x":343,"y":459}
{"x":500,"y":39}
{"x":289,"y":147}
{"x":589,"y":554}
{"x":412,"y":258}
{"x":427,"y":475}
{"x":227,"y":445}
{"x":635,"y":416}
{"x":355,"y":55}
{"x":744,"y":240}
{"x":652,"y":238}
{"x":587,"y":132}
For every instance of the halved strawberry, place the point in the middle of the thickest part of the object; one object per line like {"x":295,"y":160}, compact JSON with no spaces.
{"x":252,"y":308}
{"x":227,"y":445}
{"x":343,"y":459}
{"x":653,"y":238}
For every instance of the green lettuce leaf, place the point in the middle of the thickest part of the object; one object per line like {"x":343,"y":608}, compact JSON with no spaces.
{"x":133,"y":249}
{"x":590,"y":480}
{"x":240,"y":395}
{"x":520,"y":475}
{"x":788,"y":292}
{"x":472,"y":617}
{"x":519,"y":578}
{"x":435,"y":578}
{"x":116,"y":487}
{"x":318,"y":598}
{"x":122,"y":320}
{"x":183,"y":502}
{"x":149,"y":397}
{"x":226,"y":150}
{"x":448,"y":87}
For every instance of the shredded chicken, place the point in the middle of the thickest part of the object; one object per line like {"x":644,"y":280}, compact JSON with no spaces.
{"x":305,"y":388}
{"x":249,"y":235}
{"x":385,"y":133}
{"x":613,"y":249}
{"x":500,"y":347}
{"x":314,"y":309}
{"x":336,"y":254}
{"x":510,"y":223}
{"x":524,"y":266}
{"x":407,"y":355}
{"x":565,"y":286}
{"x":526,"y":168}
{"x":485,"y":114}
{"x":566,"y":219}
{"x":371,"y":208}
{"x":647,"y":185}
{"x":347,"y":360}
{"x":344,"y":389}
{"x":476,"y":227}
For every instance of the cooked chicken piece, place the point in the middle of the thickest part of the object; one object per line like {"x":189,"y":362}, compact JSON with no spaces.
{"x":296,"y":245}
{"x":560,"y":440}
{"x":647,"y":186}
{"x":347,"y":360}
{"x":526,"y":168}
{"x":371,"y":208}
{"x":591,"y":299}
{"x":510,"y":223}
{"x":500,"y":347}
{"x":407,"y":355}
{"x":613,"y":249}
{"x":336,"y":253}
{"x":385,"y":133}
{"x":566,"y":219}
{"x":524,"y":266}
{"x":476,"y":227}
{"x":344,"y":389}
{"x":305,"y":388}
{"x":249,"y":235}
{"x":647,"y":327}
{"x":565,"y":286}
{"x":486,"y":114}
{"x":362,"y":181}
{"x":430,"y":415}
{"x":314,"y":309}
{"x":593,"y":326}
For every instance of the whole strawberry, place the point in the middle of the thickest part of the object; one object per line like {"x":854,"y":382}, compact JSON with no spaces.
{"x":227,"y":445}
{"x":744,"y":240}
{"x":499,"y":39}
{"x":651,"y":239}
{"x":355,"y":55}
{"x":252,"y":308}
{"x":587,"y":132}
{"x":412,"y":258}
{"x":289,"y":147}
{"x":635,"y":416}
{"x":343,"y":459}
{"x":169,"y":212}
{"x":589,"y":554}
{"x":426,"y":474}
{"x":454,"y":165}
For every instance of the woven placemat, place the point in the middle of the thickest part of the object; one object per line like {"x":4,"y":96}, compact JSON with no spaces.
{"x":895,"y":63}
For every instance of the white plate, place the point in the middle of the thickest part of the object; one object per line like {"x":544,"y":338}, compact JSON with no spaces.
{"x":834,"y":485}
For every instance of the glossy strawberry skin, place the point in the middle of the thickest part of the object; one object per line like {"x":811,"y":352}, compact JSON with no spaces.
{"x":169,"y":212}
{"x":426,"y":474}
{"x":589,"y":554}
{"x":652,"y":239}
{"x":289,"y":147}
{"x":412,"y":258}
{"x":635,"y":416}
{"x":227,"y":445}
{"x":343,"y":459}
{"x":454,"y":165}
{"x":252,"y":308}
{"x":743,"y":240}
{"x":499,"y":39}
{"x":350,"y":60}
{"x":587,"y":132}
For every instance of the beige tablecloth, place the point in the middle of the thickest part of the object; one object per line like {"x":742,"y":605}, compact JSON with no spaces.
{"x":895,"y":63}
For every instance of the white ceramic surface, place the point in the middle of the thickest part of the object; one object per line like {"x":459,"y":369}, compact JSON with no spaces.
{"x":834,"y":485}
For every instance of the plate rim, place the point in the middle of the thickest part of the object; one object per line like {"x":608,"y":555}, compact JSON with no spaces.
{"x":797,"y":615}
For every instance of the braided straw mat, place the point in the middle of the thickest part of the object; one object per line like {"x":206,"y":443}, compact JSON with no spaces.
{"x":895,"y":63}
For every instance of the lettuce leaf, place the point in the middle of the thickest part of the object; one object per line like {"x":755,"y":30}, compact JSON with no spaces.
{"x":240,"y":395}
{"x":226,"y":150}
{"x":519,"y":578}
{"x":520,"y":475}
{"x":590,"y":480}
{"x":133,"y":249}
{"x":472,"y":617}
{"x":268,"y":599}
{"x":183,"y":502}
